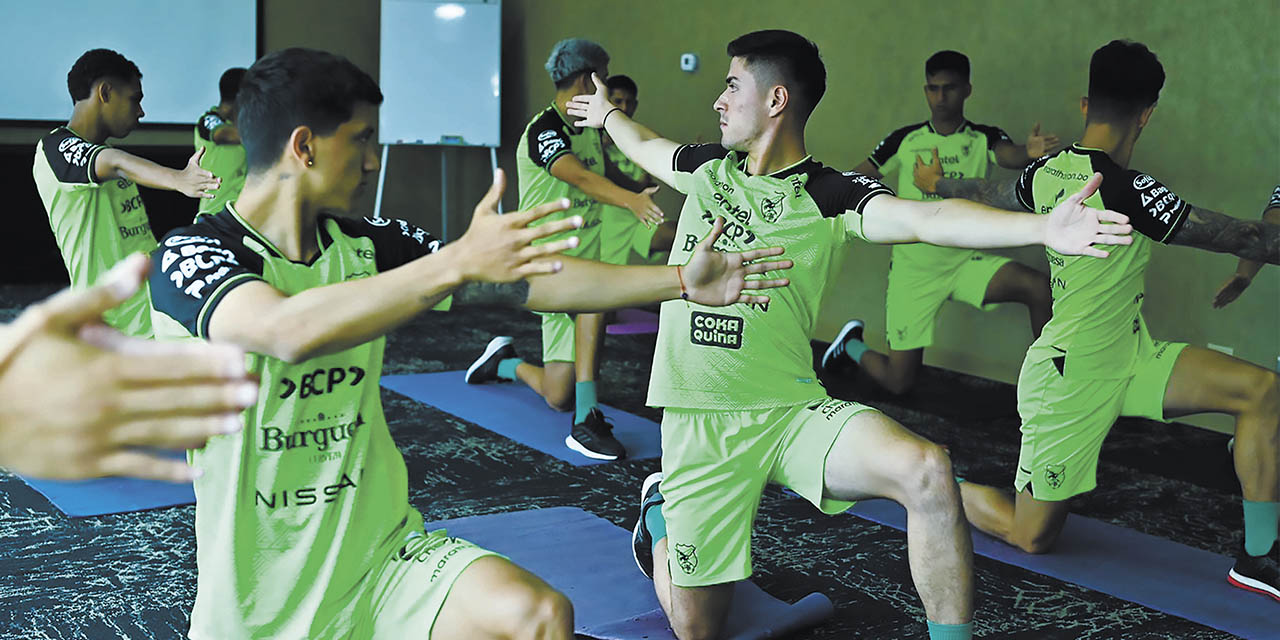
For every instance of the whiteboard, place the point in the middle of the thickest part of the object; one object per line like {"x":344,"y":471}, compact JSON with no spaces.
{"x":180,"y":46}
{"x":441,"y":72}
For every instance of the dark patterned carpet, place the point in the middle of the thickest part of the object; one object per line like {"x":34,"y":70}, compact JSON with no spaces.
{"x":133,"y":575}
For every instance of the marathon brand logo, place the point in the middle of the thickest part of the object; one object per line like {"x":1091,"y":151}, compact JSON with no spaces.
{"x":713,"y":330}
{"x":717,"y":183}
{"x":549,"y":144}
{"x":303,"y":496}
{"x":771,"y":209}
{"x":830,"y":407}
{"x":420,"y":548}
{"x":321,"y":381}
{"x":76,"y":151}
{"x":194,"y":262}
{"x":129,"y":232}
{"x":275,"y":439}
{"x":1066,"y":175}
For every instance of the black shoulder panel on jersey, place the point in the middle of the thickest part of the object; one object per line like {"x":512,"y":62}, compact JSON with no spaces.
{"x":1153,"y":210}
{"x":208,"y":123}
{"x":1026,"y":197}
{"x":1275,"y":198}
{"x":835,"y":192}
{"x":889,"y":146}
{"x":70,"y":156}
{"x":548,"y":139}
{"x":395,"y":242}
{"x":192,"y":264}
{"x":995,"y":135}
{"x":688,"y":157}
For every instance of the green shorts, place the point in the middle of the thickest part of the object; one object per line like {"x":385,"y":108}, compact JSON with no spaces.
{"x":1064,"y":421}
{"x":408,"y":592}
{"x":919,"y":286}
{"x":623,"y":238}
{"x":716,"y":465}
{"x":558,"y":341}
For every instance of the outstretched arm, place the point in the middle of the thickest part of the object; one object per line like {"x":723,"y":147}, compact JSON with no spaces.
{"x":192,"y":181}
{"x":1245,"y":269}
{"x":1001,"y":194}
{"x":1016,"y":156}
{"x":645,"y":147}
{"x":1071,"y":228}
{"x":1213,"y":231}
{"x":568,"y":168}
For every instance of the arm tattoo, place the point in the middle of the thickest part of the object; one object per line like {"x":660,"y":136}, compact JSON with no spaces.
{"x":998,"y":194}
{"x":493,"y":294}
{"x":1248,"y":239}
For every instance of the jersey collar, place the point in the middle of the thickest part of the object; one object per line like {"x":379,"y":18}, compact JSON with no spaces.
{"x":963,"y":125}
{"x":796,"y":167}
{"x":565,"y":119}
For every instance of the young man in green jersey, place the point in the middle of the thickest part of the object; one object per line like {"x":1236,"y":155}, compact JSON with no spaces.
{"x":1247,"y":269}
{"x":303,"y":523}
{"x":217,"y":136}
{"x":921,"y":276}
{"x":89,"y":189}
{"x":623,"y":237}
{"x":555,"y":159}
{"x":1095,"y":361}
{"x":742,"y":403}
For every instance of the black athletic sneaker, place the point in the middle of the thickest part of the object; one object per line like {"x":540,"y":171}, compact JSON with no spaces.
{"x":641,"y":539}
{"x":593,"y":438}
{"x":1260,"y":574}
{"x":485,"y":368}
{"x":851,"y":329}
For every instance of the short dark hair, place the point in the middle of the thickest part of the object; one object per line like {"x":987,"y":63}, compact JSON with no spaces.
{"x":1125,"y":77}
{"x":948,"y":60}
{"x":297,"y":87}
{"x":790,"y":55}
{"x":229,"y":83}
{"x":94,"y":65}
{"x":620,"y":82}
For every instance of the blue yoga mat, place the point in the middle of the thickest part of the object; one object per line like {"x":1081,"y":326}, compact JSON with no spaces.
{"x":515,"y":411}
{"x":78,"y":498}
{"x":1164,"y":575}
{"x":589,"y":560}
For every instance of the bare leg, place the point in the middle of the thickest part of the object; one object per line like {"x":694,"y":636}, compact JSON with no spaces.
{"x":874,"y":456}
{"x":1015,"y":282}
{"x":696,"y":613}
{"x":895,"y":371}
{"x":1024,"y":522}
{"x":588,"y":335}
{"x":554,"y":382}
{"x":496,"y":599}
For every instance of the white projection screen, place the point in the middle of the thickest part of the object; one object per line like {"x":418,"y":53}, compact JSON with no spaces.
{"x":181,"y":46}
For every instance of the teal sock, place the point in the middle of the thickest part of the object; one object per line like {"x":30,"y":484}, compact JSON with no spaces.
{"x":584,"y":394}
{"x":507,"y":368}
{"x":855,"y":348}
{"x":1260,"y":522}
{"x":950,"y":631}
{"x":959,"y":480}
{"x":655,"y":523}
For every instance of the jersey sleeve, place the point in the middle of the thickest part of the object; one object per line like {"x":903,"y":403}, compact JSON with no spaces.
{"x":192,"y":272}
{"x":395,"y":242}
{"x":884,"y":153}
{"x":688,"y":157}
{"x":1275,"y":199}
{"x":995,"y":137}
{"x":1026,"y":197}
{"x":548,"y":139}
{"x":1153,"y":209}
{"x":209,"y":123}
{"x":845,"y":195}
{"x":71,"y":157}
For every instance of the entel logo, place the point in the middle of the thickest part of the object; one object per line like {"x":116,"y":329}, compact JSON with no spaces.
{"x":1142,"y":181}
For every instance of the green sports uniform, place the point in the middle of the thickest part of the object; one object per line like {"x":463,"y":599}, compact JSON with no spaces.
{"x":622,"y":235}
{"x":96,"y":224}
{"x":923,"y":276}
{"x":743,"y":403}
{"x":1094,"y":361}
{"x":547,"y":137}
{"x":303,"y":523}
{"x":225,"y":161}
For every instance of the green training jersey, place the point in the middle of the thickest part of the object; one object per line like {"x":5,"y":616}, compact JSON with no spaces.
{"x":754,"y":356}
{"x":96,"y":224}
{"x":965,"y":153}
{"x":225,"y":161}
{"x":546,"y":138}
{"x":1097,"y":304}
{"x":294,"y":512}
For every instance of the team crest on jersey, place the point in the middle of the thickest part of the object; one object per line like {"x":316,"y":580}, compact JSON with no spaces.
{"x":687,"y":558}
{"x":1055,"y":474}
{"x":771,"y":208}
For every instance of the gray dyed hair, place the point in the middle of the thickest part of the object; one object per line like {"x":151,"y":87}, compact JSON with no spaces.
{"x":575,"y":55}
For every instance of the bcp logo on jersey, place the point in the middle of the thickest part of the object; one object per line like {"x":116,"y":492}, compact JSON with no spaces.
{"x":1142,"y":181}
{"x":714,"y":330}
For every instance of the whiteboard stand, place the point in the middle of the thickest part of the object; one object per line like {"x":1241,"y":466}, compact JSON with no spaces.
{"x":444,"y":185}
